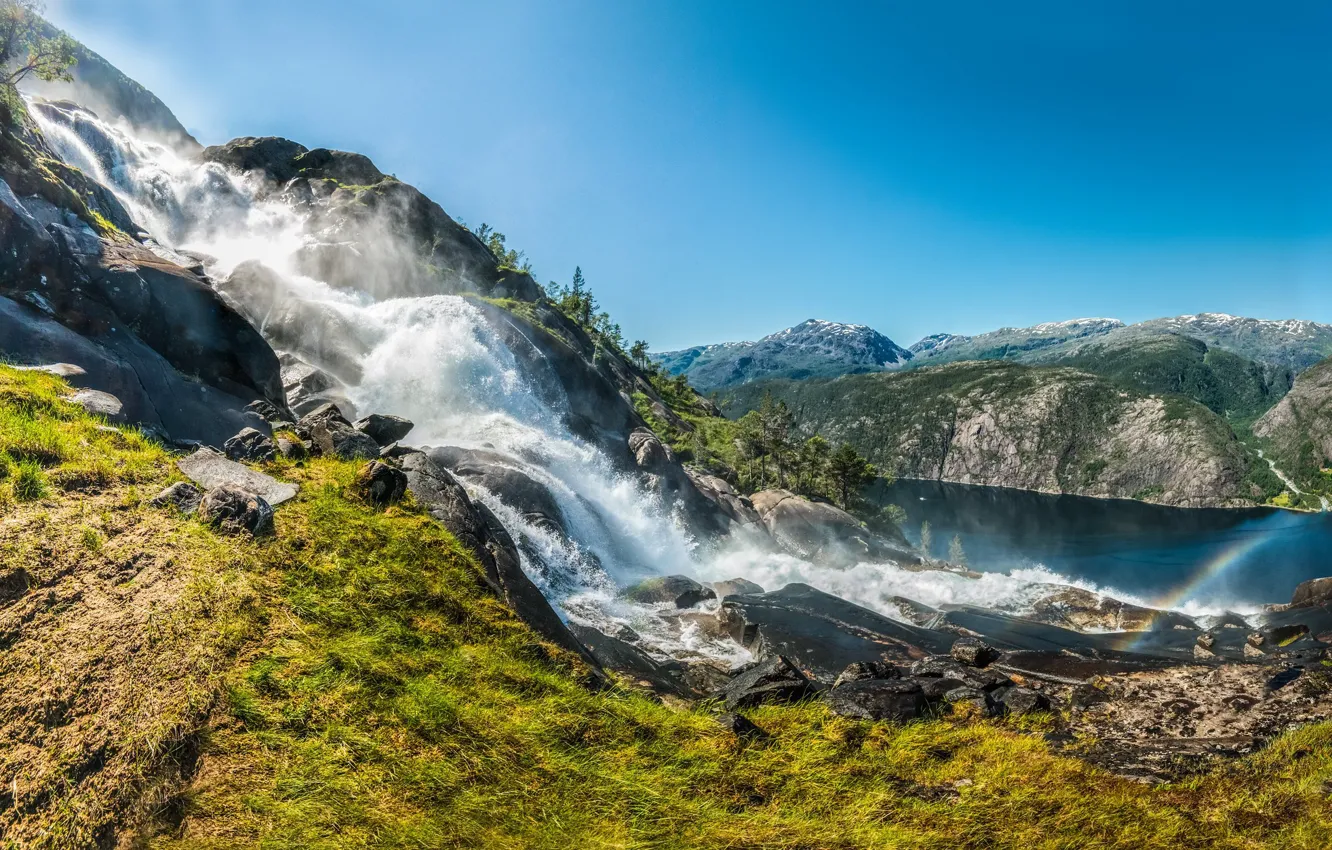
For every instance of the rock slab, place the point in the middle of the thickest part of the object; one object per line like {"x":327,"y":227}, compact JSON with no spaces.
{"x":209,"y":469}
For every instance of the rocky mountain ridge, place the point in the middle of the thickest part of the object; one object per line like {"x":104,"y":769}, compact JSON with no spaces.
{"x":1055,"y":430}
{"x":813,"y":348}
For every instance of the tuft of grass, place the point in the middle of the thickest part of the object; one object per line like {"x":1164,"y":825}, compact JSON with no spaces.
{"x":29,"y":484}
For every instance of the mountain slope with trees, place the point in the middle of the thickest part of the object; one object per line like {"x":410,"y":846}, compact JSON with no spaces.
{"x":1057,"y":430}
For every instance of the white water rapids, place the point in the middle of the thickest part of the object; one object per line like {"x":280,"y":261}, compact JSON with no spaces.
{"x":436,"y":361}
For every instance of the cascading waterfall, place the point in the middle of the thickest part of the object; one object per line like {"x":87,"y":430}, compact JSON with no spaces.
{"x":436,"y":361}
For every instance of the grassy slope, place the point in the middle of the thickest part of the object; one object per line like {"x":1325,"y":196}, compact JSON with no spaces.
{"x":349,"y":683}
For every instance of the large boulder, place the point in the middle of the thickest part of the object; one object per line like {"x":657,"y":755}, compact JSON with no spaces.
{"x":329,"y":433}
{"x":820,"y":532}
{"x":1315,"y":591}
{"x":720,"y":493}
{"x":210,"y":470}
{"x":822,"y":633}
{"x":679,"y":591}
{"x":384,"y":429}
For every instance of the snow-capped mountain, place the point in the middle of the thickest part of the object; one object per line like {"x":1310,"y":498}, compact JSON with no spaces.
{"x":813,"y":348}
{"x":1294,"y":344}
{"x":1008,"y":343}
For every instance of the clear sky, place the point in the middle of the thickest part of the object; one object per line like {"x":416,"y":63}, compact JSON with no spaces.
{"x":721,"y":170}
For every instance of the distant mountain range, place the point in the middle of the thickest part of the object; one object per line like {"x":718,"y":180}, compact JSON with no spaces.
{"x":812,"y":349}
{"x":817,"y":348}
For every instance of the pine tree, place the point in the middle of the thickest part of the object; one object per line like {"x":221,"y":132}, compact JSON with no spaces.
{"x":848,"y":472}
{"x":955,"y":553}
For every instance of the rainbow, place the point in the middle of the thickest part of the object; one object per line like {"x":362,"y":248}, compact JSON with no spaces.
{"x":1219,"y":563}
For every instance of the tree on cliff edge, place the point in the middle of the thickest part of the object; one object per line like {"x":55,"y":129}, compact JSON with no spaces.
{"x":26,"y":50}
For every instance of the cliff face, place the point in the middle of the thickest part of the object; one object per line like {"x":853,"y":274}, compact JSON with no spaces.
{"x":1300,"y":429}
{"x":1054,"y":430}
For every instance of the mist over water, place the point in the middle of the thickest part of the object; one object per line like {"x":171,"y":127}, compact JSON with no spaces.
{"x":436,"y":361}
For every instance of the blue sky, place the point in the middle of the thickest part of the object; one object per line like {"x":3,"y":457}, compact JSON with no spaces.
{"x":724,"y":169}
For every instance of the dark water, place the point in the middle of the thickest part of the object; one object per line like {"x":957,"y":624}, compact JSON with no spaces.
{"x":1164,"y":555}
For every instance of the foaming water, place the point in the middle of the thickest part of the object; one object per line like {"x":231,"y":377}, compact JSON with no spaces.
{"x":437,"y":361}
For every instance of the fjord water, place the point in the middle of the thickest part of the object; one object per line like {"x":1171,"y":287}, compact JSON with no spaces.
{"x":437,"y":361}
{"x":1206,"y":557}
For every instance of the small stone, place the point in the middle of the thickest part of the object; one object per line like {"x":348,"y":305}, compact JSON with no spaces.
{"x":291,"y":449}
{"x":1205,"y":640}
{"x":973,"y":652}
{"x":1020,"y":701}
{"x":773,"y":679}
{"x":236,"y":511}
{"x":1202,"y":652}
{"x":741,"y":727}
{"x":1251,"y":651}
{"x":182,"y":495}
{"x":973,"y":698}
{"x":862,"y":670}
{"x":251,"y":445}
{"x":1256,"y":639}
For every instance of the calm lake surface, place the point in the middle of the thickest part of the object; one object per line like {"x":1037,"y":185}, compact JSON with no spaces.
{"x":1160,"y":554}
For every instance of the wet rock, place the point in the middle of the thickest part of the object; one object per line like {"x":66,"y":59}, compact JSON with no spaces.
{"x":1075,"y":608}
{"x":860,"y":671}
{"x":1256,"y":639}
{"x":505,"y":477}
{"x":251,"y":445}
{"x":236,"y":511}
{"x":182,"y":495}
{"x":947,"y":667}
{"x":741,"y":727}
{"x":772,"y":680}
{"x":1316,"y":591}
{"x":1285,"y":634}
{"x":384,"y":429}
{"x":380,"y":483}
{"x":1251,"y":651}
{"x":680,"y":591}
{"x":660,"y":676}
{"x":1205,"y":640}
{"x":478,"y":530}
{"x":1019,"y":701}
{"x":209,"y":469}
{"x":973,"y":652}
{"x":877,"y":699}
{"x":823,"y":633}
{"x":733,"y":587}
{"x":1202,"y":653}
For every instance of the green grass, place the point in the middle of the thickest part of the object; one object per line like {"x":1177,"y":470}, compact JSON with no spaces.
{"x":352,"y":684}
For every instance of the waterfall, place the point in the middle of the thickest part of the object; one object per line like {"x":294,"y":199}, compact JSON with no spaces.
{"x":436,"y":361}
